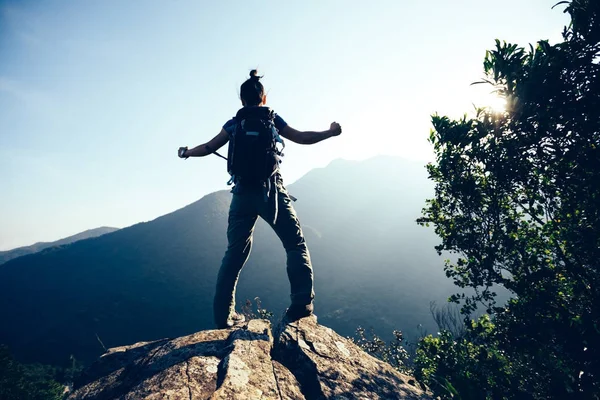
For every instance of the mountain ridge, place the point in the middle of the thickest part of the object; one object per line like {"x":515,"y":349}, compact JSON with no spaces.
{"x":7,"y":255}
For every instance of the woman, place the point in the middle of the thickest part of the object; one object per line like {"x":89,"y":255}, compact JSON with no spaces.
{"x":253,"y":199}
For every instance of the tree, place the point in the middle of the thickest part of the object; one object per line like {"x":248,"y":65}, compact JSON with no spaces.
{"x":517,"y":200}
{"x":467,"y":367}
{"x":27,"y":382}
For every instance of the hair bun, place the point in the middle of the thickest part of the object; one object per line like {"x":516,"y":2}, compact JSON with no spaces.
{"x":254,"y":75}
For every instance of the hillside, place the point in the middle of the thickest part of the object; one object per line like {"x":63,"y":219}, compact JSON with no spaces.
{"x":373,"y":267}
{"x":39,"y":246}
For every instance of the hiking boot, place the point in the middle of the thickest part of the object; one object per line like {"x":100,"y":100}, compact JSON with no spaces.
{"x":235,"y":319}
{"x":295,"y":312}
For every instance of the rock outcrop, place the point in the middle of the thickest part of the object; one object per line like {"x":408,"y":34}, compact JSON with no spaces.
{"x":304,"y":361}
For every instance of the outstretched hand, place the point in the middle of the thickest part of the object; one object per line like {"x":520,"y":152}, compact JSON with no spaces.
{"x":335,"y":128}
{"x":181,"y":152}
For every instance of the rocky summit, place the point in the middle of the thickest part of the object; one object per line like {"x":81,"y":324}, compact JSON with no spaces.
{"x":300,"y":360}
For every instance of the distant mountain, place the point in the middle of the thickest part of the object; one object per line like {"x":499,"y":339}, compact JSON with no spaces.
{"x":34,"y":248}
{"x":374,"y":267}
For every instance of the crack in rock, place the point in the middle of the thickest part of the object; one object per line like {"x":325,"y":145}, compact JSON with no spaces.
{"x":276,"y":380}
{"x":313,"y":348}
{"x":187,"y":372}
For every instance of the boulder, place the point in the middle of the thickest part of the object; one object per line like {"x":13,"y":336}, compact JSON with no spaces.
{"x":304,"y":360}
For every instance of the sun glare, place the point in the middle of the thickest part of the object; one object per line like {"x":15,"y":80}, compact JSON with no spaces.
{"x":496,"y":103}
{"x":456,"y":105}
{"x":483,"y":98}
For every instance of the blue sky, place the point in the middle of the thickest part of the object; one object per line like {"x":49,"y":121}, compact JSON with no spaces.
{"x":96,"y":96}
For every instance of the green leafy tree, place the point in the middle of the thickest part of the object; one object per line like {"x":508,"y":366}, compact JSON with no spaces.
{"x":27,"y":382}
{"x":11,"y":379}
{"x":517,"y":200}
{"x":40,"y":381}
{"x":468,"y":367}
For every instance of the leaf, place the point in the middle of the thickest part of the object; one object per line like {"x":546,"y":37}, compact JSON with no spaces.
{"x":482,"y":81}
{"x":559,"y":3}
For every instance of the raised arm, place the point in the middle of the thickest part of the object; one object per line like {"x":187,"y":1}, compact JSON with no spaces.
{"x":207,"y":148}
{"x":310,"y":137}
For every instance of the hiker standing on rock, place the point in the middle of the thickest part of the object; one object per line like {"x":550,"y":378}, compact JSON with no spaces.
{"x":253,"y":162}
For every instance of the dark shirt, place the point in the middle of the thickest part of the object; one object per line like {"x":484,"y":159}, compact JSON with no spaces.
{"x":230,"y":125}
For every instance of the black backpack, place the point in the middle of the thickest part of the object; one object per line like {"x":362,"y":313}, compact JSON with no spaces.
{"x":253,"y":156}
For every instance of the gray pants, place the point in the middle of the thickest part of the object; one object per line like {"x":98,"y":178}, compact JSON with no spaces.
{"x":246,"y":206}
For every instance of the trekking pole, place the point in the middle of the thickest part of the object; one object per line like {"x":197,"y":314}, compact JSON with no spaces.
{"x":215,"y":153}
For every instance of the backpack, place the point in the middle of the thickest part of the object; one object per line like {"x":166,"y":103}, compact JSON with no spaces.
{"x":253,"y":155}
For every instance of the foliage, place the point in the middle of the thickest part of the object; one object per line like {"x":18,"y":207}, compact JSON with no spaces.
{"x":260,"y":313}
{"x":27,"y":382}
{"x":517,"y":199}
{"x":71,"y":373}
{"x":393,"y":352}
{"x":448,"y":318}
{"x":467,"y":367}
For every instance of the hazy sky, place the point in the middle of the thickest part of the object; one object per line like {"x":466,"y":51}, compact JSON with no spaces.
{"x":96,"y":96}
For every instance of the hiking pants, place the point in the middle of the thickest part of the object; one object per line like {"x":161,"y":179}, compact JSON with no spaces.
{"x":245,"y":208}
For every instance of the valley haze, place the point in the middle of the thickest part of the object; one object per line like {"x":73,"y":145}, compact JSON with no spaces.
{"x":374,"y":267}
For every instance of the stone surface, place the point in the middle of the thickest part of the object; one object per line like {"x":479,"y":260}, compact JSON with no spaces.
{"x":304,"y":361}
{"x":247,"y":369}
{"x":329,"y":366}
